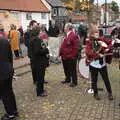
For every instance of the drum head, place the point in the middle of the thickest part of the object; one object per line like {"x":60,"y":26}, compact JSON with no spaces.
{"x":83,"y":69}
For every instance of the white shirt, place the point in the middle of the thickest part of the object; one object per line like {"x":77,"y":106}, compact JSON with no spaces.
{"x":96,"y":64}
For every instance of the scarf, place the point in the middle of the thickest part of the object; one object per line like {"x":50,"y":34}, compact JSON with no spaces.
{"x":95,"y":45}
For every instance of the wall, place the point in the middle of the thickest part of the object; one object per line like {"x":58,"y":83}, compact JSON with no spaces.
{"x":35,"y":16}
{"x":19,"y":18}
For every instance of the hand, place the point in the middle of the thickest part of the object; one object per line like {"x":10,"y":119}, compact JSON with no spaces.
{"x":101,"y":55}
{"x":106,"y":50}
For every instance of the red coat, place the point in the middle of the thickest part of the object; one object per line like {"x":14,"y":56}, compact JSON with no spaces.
{"x":69,"y":47}
{"x":91,"y":54}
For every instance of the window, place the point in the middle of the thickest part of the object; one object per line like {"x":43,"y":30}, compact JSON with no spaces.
{"x":43,"y":15}
{"x":28,"y":16}
{"x":55,"y":11}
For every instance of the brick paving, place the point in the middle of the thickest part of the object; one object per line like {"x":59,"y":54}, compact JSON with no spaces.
{"x":64,"y":102}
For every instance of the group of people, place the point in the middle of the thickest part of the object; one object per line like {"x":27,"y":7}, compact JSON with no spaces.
{"x":97,"y":55}
{"x":36,"y":41}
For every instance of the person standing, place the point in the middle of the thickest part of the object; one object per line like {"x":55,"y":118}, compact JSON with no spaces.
{"x":39,"y":59}
{"x":22,"y":45}
{"x":6,"y":75}
{"x":69,"y":52}
{"x":2,"y":32}
{"x":27,"y":41}
{"x":96,"y":48}
{"x":43,"y":35}
{"x":14,"y":40}
{"x":82,"y":32}
{"x":116,"y":31}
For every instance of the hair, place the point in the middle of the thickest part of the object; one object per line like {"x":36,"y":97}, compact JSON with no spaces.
{"x":93,"y":31}
{"x":13,"y":27}
{"x":32,"y":22}
{"x":69,"y":26}
{"x":42,"y":27}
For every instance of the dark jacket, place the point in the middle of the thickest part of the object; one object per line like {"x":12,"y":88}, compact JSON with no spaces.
{"x":53,"y":31}
{"x":70,"y":46}
{"x":6,"y":59}
{"x":39,"y":53}
{"x":116,"y":32}
{"x":27,"y":41}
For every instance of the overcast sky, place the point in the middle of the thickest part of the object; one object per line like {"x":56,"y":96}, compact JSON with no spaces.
{"x":103,"y":1}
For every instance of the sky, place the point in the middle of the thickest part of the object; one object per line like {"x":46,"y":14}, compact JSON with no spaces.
{"x":103,"y":1}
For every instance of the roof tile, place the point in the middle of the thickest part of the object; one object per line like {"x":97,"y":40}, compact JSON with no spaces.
{"x":23,"y":5}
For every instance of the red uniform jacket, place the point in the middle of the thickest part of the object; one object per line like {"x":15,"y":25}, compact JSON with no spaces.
{"x":69,"y":47}
{"x":91,"y":54}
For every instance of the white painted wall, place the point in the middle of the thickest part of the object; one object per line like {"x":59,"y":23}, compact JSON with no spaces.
{"x":21,"y":17}
{"x":35,"y":16}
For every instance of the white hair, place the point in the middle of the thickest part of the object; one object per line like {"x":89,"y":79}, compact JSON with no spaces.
{"x":69,"y":26}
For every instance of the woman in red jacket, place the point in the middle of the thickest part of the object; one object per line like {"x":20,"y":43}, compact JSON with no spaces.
{"x":96,"y":48}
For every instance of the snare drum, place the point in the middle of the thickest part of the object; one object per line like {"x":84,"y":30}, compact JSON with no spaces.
{"x":83,"y":69}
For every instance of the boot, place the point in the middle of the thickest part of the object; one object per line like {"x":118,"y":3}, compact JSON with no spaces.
{"x":110,"y":97}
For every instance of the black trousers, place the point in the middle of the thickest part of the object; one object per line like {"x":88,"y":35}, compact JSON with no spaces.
{"x":33,"y":72}
{"x":70,"y":71}
{"x":38,"y":74}
{"x":7,"y":96}
{"x":94,"y":78}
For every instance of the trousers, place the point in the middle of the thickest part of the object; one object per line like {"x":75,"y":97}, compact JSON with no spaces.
{"x":7,"y":96}
{"x":94,"y":78}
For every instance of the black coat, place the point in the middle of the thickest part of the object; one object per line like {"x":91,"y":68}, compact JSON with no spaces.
{"x":116,"y":31}
{"x":6,"y":59}
{"x":39,"y":53}
{"x":27,"y":41}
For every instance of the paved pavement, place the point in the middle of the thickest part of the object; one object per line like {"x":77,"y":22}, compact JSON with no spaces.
{"x":64,"y":102}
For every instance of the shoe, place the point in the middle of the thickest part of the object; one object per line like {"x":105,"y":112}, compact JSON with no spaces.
{"x":110,"y":97}
{"x":8,"y":117}
{"x":16,"y":114}
{"x":73,"y":85}
{"x":96,"y":96}
{"x":64,"y":82}
{"x":44,"y":94}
